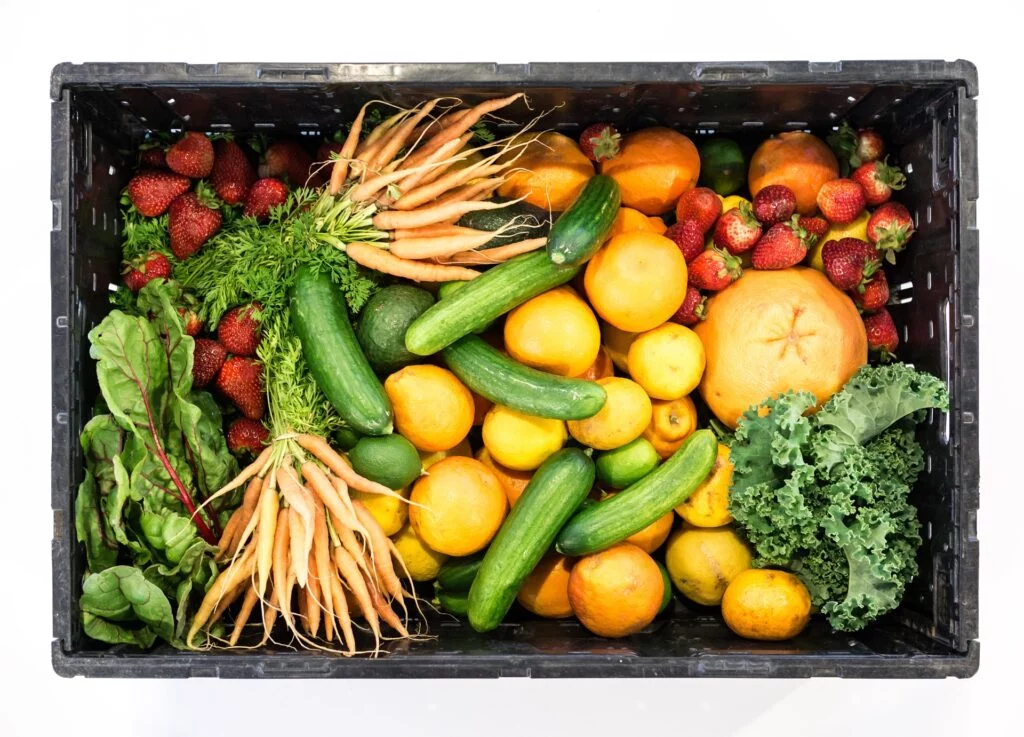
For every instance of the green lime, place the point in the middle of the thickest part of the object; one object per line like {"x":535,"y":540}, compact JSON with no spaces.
{"x":390,"y":460}
{"x":383,"y":322}
{"x":346,"y":438}
{"x":625,"y":466}
{"x":666,"y":598}
{"x":722,"y":166}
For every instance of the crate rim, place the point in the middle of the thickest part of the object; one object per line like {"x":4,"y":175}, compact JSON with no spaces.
{"x":104,"y":75}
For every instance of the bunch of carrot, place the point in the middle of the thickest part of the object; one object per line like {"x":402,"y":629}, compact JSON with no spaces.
{"x":420,"y":194}
{"x":299,"y":534}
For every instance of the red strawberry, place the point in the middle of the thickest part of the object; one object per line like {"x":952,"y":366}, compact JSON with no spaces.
{"x":688,"y":235}
{"x":192,"y":156}
{"x":692,"y":310}
{"x":240,"y":379}
{"x":881,"y":330}
{"x":239,"y":331}
{"x":193,"y":325}
{"x":870,"y":147}
{"x":855,"y":148}
{"x":714,"y":270}
{"x":264,"y":195}
{"x":194,"y":218}
{"x":152,"y":158}
{"x":784,"y":245}
{"x":849,"y":262}
{"x":878,"y":180}
{"x":232,"y":174}
{"x":816,"y":228}
{"x":600,"y":141}
{"x":841,"y":200}
{"x":700,"y":204}
{"x":145,"y":269}
{"x":287,"y":160}
{"x":152,"y":192}
{"x":247,"y":435}
{"x":207,"y":359}
{"x":737,"y":230}
{"x":776,"y":203}
{"x":874,"y":295}
{"x":889,"y":228}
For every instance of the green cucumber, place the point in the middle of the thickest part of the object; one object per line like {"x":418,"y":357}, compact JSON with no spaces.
{"x":553,"y":494}
{"x":505,"y":381}
{"x":457,"y":574}
{"x":483,"y":299}
{"x":321,"y":322}
{"x":580,"y":230}
{"x":453,"y":602}
{"x":659,"y":492}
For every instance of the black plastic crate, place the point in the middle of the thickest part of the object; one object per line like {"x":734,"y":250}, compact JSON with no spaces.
{"x":925,"y":109}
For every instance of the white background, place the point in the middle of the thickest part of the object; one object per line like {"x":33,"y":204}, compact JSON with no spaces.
{"x":36,"y":35}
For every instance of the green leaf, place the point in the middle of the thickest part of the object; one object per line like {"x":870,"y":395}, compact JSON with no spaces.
{"x":91,"y":527}
{"x":102,"y":439}
{"x":105,"y":631}
{"x":122,"y":594}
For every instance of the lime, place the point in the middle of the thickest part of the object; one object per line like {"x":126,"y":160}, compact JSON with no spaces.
{"x":722,"y":166}
{"x":346,"y":438}
{"x":625,"y":466}
{"x":390,"y":460}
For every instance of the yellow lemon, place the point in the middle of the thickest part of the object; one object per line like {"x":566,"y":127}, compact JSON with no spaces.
{"x":667,"y":362}
{"x":555,"y":331}
{"x":521,"y":442}
{"x":625,"y":415}
{"x":732,"y":201}
{"x":703,"y":562}
{"x":422,"y":562}
{"x":708,"y":506}
{"x":390,"y":512}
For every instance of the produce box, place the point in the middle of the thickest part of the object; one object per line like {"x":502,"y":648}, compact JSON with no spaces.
{"x":925,"y":110}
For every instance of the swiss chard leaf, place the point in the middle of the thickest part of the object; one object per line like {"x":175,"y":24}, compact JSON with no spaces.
{"x":92,"y":528}
{"x":122,"y":594}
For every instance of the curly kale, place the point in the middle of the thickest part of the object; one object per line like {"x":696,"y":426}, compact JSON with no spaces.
{"x":827,"y":495}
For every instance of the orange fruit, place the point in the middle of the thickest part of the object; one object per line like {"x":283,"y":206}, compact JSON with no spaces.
{"x":636,"y":281}
{"x":762,"y":604}
{"x":555,"y":331}
{"x":458,"y":506}
{"x":514,"y":482}
{"x":616,"y":592}
{"x":629,"y":220}
{"x":545,"y":592}
{"x":601,"y":368}
{"x":708,"y":506}
{"x":549,"y":173}
{"x":625,"y":414}
{"x":617,"y":343}
{"x":798,"y":160}
{"x":672,"y":422}
{"x":653,"y":167}
{"x":776,"y":331}
{"x":433,"y":409}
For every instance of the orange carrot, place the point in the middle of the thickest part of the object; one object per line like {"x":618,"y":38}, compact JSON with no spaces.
{"x":350,"y":572}
{"x":378,"y":543}
{"x":395,"y":142}
{"x":280,"y":565}
{"x":380,"y":260}
{"x":495,"y":255}
{"x":340,"y":467}
{"x":439,"y":247}
{"x":312,"y":594}
{"x":386,"y":612}
{"x":339,"y":173}
{"x":463,"y":124}
{"x":248,"y":604}
{"x":322,"y":555}
{"x":434,"y":165}
{"x":478,"y":190}
{"x":341,"y":612}
{"x":393,"y":219}
{"x":228,"y":579}
{"x":432,"y":231}
{"x":267,"y":523}
{"x":411,"y":199}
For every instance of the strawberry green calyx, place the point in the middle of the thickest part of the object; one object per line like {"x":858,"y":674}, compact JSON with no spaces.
{"x":606,"y":144}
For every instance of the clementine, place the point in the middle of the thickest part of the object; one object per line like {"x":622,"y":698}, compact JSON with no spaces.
{"x":798,"y":160}
{"x":654,"y":167}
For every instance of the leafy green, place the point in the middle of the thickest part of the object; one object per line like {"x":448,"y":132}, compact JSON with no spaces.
{"x":119,"y":595}
{"x":143,"y":235}
{"x":827,"y":495}
{"x":149,"y":462}
{"x":248,"y":261}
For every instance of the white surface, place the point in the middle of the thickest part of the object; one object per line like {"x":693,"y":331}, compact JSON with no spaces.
{"x":39,"y":34}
